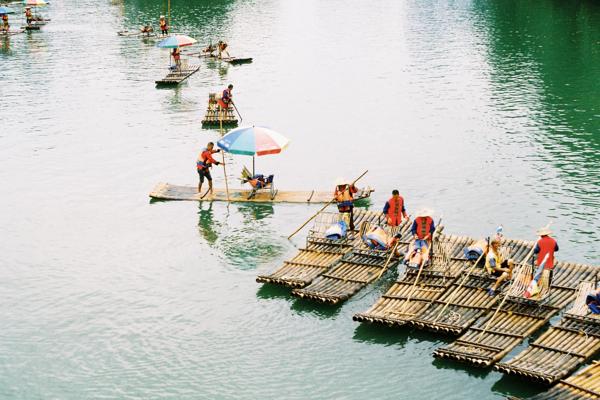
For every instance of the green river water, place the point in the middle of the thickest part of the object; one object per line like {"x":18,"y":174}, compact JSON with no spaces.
{"x":486,"y":111}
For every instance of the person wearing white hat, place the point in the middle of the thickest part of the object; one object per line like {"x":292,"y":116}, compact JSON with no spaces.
{"x":164,"y":28}
{"x":344,"y":196}
{"x":545,"y":248}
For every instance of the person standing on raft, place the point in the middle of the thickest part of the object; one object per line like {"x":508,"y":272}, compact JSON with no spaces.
{"x":224,"y":101}
{"x":177,"y":57}
{"x":164,"y":28}
{"x":394,"y":209}
{"x":344,"y":196}
{"x":5,"y":25}
{"x":204,"y":163}
{"x":546,"y":245}
{"x":28,"y":15}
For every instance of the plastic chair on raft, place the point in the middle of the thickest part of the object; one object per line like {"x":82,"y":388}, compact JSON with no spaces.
{"x":258,"y":182}
{"x":529,"y":284}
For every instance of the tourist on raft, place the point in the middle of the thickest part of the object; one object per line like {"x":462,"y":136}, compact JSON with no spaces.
{"x":210,"y":49}
{"x":344,"y":197}
{"x":164,"y":28}
{"x":204,"y":163}
{"x":177,"y":57}
{"x":494,"y":265}
{"x":147,"y":29}
{"x":592,"y":300}
{"x":225,"y":100}
{"x":394,"y":209}
{"x":546,"y":245}
{"x":5,"y":25}
{"x":422,"y":228}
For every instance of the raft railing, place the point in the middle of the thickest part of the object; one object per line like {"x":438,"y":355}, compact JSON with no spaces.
{"x":562,"y":348}
{"x":354,"y":270}
{"x":319,"y":254}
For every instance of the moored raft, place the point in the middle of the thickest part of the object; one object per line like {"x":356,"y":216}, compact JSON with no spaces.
{"x":499,"y":330}
{"x":167,"y":191}
{"x":412,"y":293}
{"x":582,"y":386}
{"x":562,"y":348}
{"x":352,"y":272}
{"x":467,"y":299}
{"x":319,"y":254}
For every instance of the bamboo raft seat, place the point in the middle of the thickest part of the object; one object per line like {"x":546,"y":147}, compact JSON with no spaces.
{"x":167,"y":191}
{"x":213,"y":117}
{"x":409,"y":297}
{"x":467,"y":299}
{"x":319,"y":254}
{"x":582,"y":386}
{"x":562,"y":348}
{"x":497,"y":331}
{"x":177,"y":76}
{"x":352,"y":272}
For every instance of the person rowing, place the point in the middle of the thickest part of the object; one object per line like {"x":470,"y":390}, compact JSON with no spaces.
{"x":222,"y":48}
{"x":164,"y":28}
{"x":422,"y":230}
{"x":344,"y":197}
{"x":28,"y":15}
{"x":203,"y":165}
{"x":545,"y":247}
{"x":5,"y":25}
{"x":224,"y":101}
{"x":394,"y":209}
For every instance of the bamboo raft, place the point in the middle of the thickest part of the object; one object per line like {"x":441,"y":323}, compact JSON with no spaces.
{"x":166,"y":191}
{"x":213,"y":117}
{"x":179,"y":75}
{"x":127,"y":33}
{"x":353,"y":271}
{"x":11,"y":33}
{"x":582,"y":386}
{"x":320,"y":253}
{"x":467,"y":299}
{"x":413,"y":293}
{"x":496,"y":332}
{"x":562,"y":348}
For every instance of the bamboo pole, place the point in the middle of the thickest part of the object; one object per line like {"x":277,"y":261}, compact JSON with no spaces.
{"x":385,"y":266}
{"x":224,"y":169}
{"x":323,"y":208}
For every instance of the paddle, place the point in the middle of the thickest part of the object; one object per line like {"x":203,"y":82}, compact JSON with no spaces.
{"x":324,"y":207}
{"x":236,"y":110}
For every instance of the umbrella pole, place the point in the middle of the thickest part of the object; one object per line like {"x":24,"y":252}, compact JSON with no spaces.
{"x":225,"y":173}
{"x":169,"y":13}
{"x":253,"y":173}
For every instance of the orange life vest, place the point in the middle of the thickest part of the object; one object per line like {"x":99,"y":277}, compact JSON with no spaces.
{"x":423,"y":226}
{"x":547,"y":246}
{"x":394,"y":214}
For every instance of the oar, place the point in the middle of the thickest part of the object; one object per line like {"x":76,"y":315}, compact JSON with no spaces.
{"x":236,"y":110}
{"x":324,"y":207}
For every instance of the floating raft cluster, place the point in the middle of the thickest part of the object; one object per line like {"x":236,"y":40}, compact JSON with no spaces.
{"x":166,"y":191}
{"x":466,"y":299}
{"x":179,"y":75}
{"x":498,"y":330}
{"x":352,"y":272}
{"x":562,"y":348}
{"x":320,"y":253}
{"x":582,"y":386}
{"x":213,"y":117}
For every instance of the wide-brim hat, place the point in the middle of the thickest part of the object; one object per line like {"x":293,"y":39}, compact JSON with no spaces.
{"x":341,"y":181}
{"x":544,"y":231}
{"x":162,"y":16}
{"x":424,"y":212}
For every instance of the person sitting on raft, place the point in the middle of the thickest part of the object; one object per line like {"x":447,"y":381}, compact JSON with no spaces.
{"x":422,"y":230}
{"x":377,"y":238}
{"x":204,"y":162}
{"x":545,"y":245}
{"x":164,"y":28}
{"x":210,"y":49}
{"x":147,"y":29}
{"x":344,"y":196}
{"x":5,"y":25}
{"x":592,"y":300}
{"x":494,"y":265}
{"x":28,"y":15}
{"x":177,"y":57}
{"x":394,"y":209}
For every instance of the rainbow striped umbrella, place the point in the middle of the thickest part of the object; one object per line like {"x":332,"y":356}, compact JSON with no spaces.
{"x":253,"y":141}
{"x":35,"y":3}
{"x":175,"y":41}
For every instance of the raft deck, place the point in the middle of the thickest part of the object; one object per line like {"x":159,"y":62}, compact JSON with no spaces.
{"x":583,"y":386}
{"x":320,"y":253}
{"x":486,"y":342}
{"x":409,"y":296}
{"x":166,"y":191}
{"x":177,"y":76}
{"x":467,"y":299}
{"x":562,"y":348}
{"x":352,"y":272}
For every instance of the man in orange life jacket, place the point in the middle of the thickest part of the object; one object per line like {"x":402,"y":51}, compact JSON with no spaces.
{"x":5,"y":25}
{"x":28,"y":15}
{"x":204,"y":162}
{"x":344,"y":196}
{"x":394,"y":209}
{"x":164,"y":28}
{"x":545,"y":245}
{"x":423,"y":228}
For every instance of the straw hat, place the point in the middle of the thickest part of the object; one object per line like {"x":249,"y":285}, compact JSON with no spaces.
{"x":162,"y":16}
{"x":424,"y":212}
{"x":341,"y":181}
{"x":543,"y":231}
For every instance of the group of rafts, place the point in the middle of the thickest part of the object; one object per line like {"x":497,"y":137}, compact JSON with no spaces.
{"x":33,"y":20}
{"x":492,"y":293}
{"x":179,"y":69}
